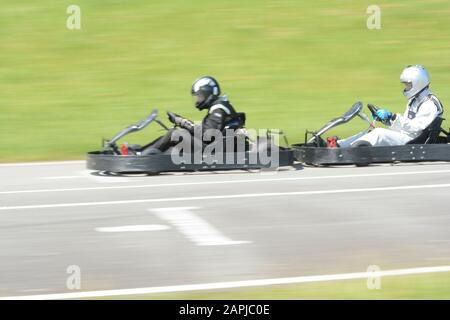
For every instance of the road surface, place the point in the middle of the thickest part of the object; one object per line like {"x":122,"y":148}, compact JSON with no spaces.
{"x":177,"y":229}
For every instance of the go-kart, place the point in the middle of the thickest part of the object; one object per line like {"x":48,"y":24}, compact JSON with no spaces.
{"x":257,"y":153}
{"x":433,"y":144}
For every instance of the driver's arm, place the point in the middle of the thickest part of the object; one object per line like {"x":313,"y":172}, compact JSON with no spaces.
{"x":426,"y":114}
{"x":214,"y":120}
{"x":187,"y":124}
{"x":181,"y":122}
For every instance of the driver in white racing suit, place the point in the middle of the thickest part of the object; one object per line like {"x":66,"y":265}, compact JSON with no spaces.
{"x":422,"y":108}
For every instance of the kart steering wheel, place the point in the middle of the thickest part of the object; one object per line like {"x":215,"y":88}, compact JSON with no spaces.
{"x":373,"y":109}
{"x":172,"y":115}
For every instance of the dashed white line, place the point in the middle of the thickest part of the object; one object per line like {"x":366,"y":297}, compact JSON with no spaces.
{"x":232,"y":196}
{"x":232,"y":284}
{"x":62,"y":177}
{"x":133,"y":228}
{"x":181,"y":184}
{"x":48,"y":163}
{"x":83,"y":175}
{"x":193,"y":227}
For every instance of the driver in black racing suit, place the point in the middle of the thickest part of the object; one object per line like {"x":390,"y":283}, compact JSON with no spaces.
{"x":221,"y":115}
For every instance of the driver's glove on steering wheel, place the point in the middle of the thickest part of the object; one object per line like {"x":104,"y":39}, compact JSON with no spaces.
{"x":174,"y":118}
{"x":383,"y":115}
{"x":179,"y":121}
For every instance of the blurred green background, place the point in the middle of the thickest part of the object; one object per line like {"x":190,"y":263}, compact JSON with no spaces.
{"x":288,"y":64}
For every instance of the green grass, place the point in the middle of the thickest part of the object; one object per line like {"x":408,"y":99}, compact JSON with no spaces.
{"x":430,"y":286}
{"x":287,"y":64}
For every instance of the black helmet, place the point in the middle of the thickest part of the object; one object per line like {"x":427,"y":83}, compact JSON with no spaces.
{"x":206,"y":90}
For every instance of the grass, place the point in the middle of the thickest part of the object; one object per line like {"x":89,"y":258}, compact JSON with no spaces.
{"x":429,"y":286}
{"x":287,"y":64}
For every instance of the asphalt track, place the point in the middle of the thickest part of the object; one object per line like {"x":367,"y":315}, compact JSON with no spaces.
{"x":178,"y":229}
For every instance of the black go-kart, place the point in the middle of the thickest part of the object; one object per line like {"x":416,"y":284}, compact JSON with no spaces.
{"x":433,"y":144}
{"x":258,"y":153}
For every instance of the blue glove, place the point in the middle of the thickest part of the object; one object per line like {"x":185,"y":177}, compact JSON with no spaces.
{"x":382,"y":115}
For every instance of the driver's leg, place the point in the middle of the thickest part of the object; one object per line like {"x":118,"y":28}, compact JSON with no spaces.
{"x":169,"y":140}
{"x":385,"y":137}
{"x":346,"y":143}
{"x":162,"y":143}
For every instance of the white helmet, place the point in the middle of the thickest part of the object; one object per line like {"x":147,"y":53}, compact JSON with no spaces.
{"x":415,"y":78}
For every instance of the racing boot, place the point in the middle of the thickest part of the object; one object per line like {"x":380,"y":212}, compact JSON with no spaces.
{"x":332,"y":142}
{"x":132,"y":149}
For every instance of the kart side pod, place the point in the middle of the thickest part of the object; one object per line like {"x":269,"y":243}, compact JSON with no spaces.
{"x":365,"y":155}
{"x":156,"y":163}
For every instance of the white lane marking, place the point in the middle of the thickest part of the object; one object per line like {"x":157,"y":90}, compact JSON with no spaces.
{"x":49,"y":163}
{"x":69,"y":162}
{"x":231,"y":284}
{"x":233,"y":196}
{"x":222,"y":182}
{"x":104,"y":179}
{"x":34,"y":290}
{"x":87,"y":174}
{"x":193,"y":227}
{"x":62,"y":177}
{"x":135,"y":228}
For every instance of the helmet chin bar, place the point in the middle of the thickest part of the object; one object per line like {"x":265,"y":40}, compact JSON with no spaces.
{"x":203,"y":102}
{"x":408,"y":96}
{"x":407,"y":87}
{"x":199,"y":100}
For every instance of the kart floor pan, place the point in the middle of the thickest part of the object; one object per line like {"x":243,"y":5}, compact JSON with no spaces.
{"x":100,"y":161}
{"x":367,"y":155}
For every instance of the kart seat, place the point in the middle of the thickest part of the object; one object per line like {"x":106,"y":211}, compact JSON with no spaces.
{"x":430,"y":134}
{"x":236,"y":121}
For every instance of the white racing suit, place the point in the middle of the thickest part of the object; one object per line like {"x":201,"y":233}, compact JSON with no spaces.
{"x":421,"y":110}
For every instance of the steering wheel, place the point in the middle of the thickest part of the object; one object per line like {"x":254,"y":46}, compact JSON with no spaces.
{"x":373,"y":109}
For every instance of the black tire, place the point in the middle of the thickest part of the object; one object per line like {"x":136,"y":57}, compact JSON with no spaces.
{"x":362,"y":162}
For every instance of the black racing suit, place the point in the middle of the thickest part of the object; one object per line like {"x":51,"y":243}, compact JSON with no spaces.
{"x":221,"y":114}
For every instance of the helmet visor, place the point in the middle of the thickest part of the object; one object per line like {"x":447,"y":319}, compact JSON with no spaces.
{"x":407,"y":86}
{"x":198,"y":99}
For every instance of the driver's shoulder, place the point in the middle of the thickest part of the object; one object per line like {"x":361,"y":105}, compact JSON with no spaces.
{"x":221,"y":108}
{"x":432,"y":103}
